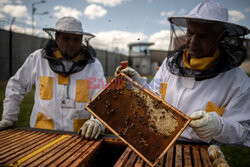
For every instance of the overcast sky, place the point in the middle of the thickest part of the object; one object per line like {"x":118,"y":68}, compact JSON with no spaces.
{"x":114,"y":22}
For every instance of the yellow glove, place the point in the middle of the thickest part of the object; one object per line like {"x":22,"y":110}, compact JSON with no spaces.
{"x":206,"y":124}
{"x":91,"y":129}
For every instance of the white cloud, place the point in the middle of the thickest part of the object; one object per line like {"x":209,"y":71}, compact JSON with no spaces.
{"x":18,"y":11}
{"x":4,"y":2}
{"x":2,"y":16}
{"x":235,"y":15}
{"x":247,"y":9}
{"x":24,"y":30}
{"x":161,"y":40}
{"x":94,"y":11}
{"x":66,"y":11}
{"x":29,"y":22}
{"x":164,"y":22}
{"x":116,"y":39}
{"x":111,"y":3}
{"x":150,"y":0}
{"x":165,"y":15}
{"x":10,"y":2}
{"x":181,"y":11}
{"x":111,"y":40}
{"x":18,"y":2}
{"x":170,"y":13}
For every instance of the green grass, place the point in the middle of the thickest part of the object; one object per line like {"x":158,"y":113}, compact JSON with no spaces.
{"x":236,"y":156}
{"x":25,"y":108}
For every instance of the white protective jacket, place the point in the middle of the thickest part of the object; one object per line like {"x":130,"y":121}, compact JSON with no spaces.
{"x":228,"y":94}
{"x":51,"y":90}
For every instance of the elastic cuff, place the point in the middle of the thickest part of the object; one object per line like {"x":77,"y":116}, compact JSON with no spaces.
{"x":143,"y":81}
{"x":218,"y":134}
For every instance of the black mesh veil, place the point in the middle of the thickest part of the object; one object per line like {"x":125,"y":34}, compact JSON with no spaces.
{"x":58,"y":66}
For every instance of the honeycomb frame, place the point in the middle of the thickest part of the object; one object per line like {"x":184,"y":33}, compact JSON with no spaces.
{"x":142,"y":120}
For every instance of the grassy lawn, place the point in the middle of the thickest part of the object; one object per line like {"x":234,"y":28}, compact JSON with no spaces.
{"x":236,"y":156}
{"x":25,"y":108}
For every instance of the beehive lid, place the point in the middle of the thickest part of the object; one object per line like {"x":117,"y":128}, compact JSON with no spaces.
{"x":146,"y":123}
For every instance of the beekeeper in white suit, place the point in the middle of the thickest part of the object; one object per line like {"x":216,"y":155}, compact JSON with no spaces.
{"x":60,"y":72}
{"x":202,"y":78}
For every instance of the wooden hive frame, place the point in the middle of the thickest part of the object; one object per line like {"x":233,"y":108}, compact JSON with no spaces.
{"x":185,"y":155}
{"x":142,"y":120}
{"x":21,"y":147}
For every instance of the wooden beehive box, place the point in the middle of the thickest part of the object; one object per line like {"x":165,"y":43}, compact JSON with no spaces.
{"x":147,"y":124}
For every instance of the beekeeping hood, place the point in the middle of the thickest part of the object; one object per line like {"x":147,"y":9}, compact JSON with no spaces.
{"x":68,"y":25}
{"x":72,"y":26}
{"x":210,"y":11}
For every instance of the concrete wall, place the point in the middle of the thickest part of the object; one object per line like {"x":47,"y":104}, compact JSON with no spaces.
{"x":23,"y":45}
{"x":109,"y":61}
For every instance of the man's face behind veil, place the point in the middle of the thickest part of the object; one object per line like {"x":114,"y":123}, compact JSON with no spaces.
{"x":69,"y":44}
{"x":202,"y":39}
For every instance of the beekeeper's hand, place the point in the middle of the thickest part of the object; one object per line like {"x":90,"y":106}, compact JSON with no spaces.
{"x":206,"y":124}
{"x":91,"y":129}
{"x":4,"y":123}
{"x":128,"y":71}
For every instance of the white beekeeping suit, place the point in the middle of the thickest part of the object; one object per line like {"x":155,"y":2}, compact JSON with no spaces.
{"x":228,"y":94}
{"x":51,"y":91}
{"x":66,"y":76}
{"x":201,"y":77}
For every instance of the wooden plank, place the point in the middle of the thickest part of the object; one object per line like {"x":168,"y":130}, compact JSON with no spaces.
{"x":37,"y":157}
{"x":6,"y":132}
{"x":87,"y":154}
{"x":55,"y":153}
{"x":178,"y":155}
{"x":67,"y":155}
{"x":76,"y":154}
{"x":31,"y":149}
{"x":139,"y":162}
{"x":13,"y":137}
{"x":196,"y":156}
{"x":69,"y":145}
{"x":170,"y":157}
{"x":132,"y":160}
{"x":160,"y":163}
{"x":22,"y":149}
{"x":124,"y":157}
{"x":205,"y":157}
{"x":20,"y":142}
{"x":187,"y":156}
{"x":2,"y":132}
{"x":113,"y":141}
